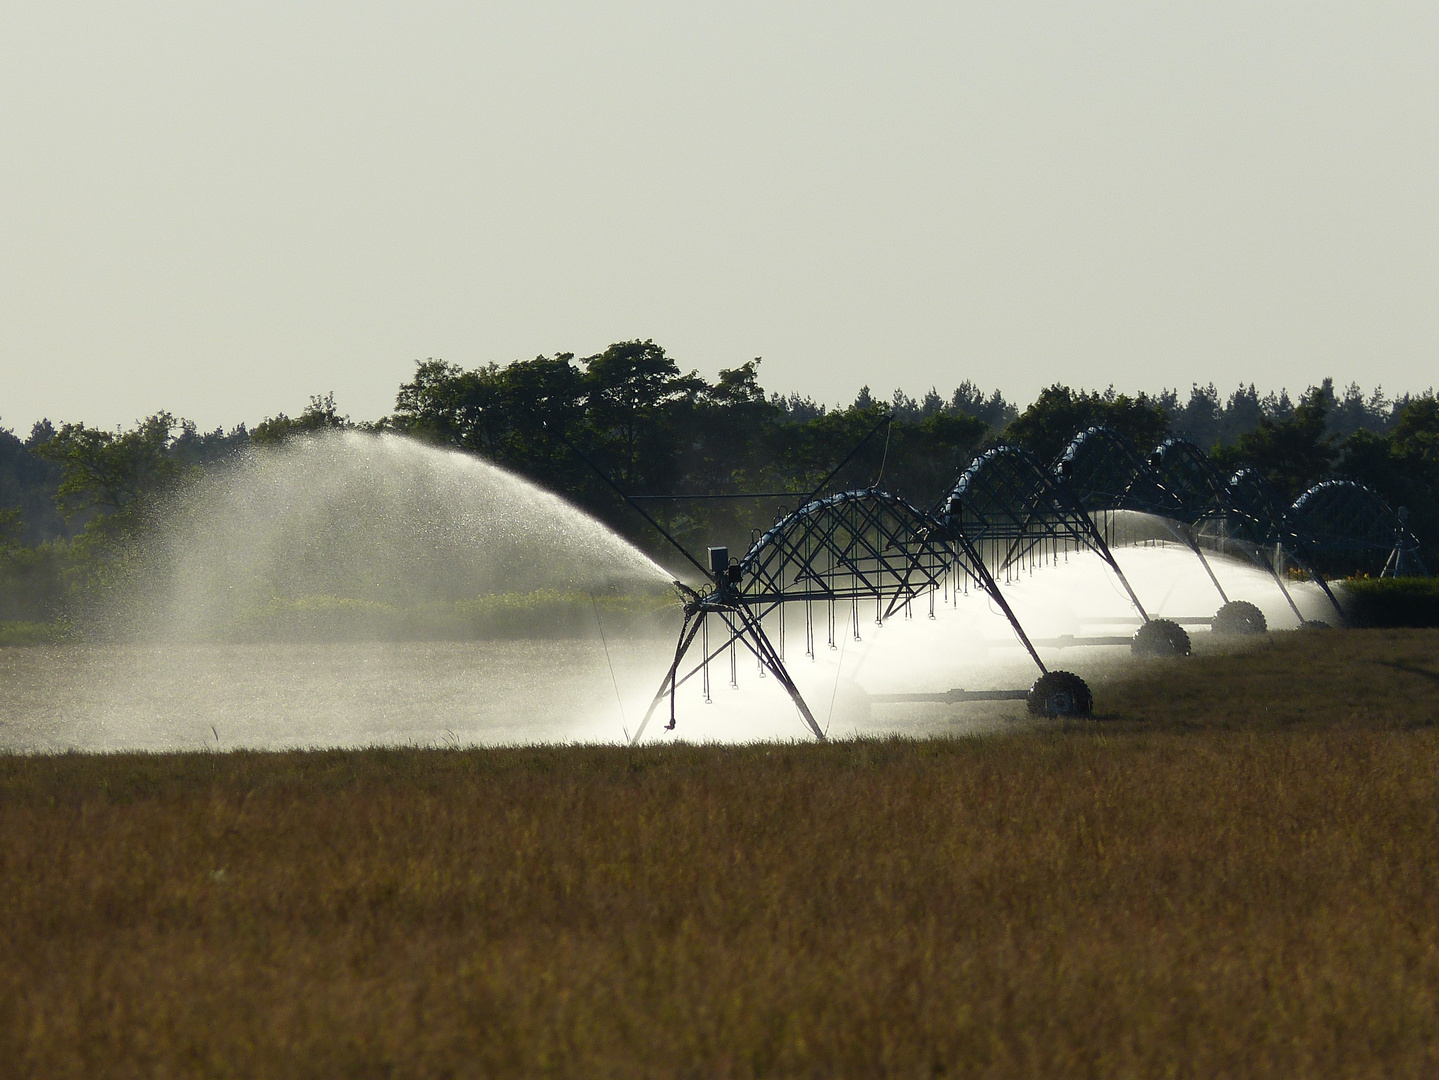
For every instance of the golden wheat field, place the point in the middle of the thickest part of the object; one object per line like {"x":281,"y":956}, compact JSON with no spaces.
{"x":1232,"y":873}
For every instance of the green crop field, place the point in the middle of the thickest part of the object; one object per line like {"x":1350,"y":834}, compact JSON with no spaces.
{"x":1233,"y":872}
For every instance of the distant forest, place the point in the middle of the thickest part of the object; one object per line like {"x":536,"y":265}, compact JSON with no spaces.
{"x":71,"y":495}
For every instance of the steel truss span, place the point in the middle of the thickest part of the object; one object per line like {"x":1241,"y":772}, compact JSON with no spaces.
{"x":857,"y":544}
{"x":1010,"y":510}
{"x":1193,"y":488}
{"x":1105,"y":473}
{"x":1009,"y":506}
{"x":1342,"y":517}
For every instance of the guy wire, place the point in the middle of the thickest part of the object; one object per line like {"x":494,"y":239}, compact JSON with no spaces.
{"x":884,"y":460}
{"x":613,"y":681}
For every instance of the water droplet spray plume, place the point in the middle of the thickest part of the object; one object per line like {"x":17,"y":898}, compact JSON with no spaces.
{"x":351,"y":523}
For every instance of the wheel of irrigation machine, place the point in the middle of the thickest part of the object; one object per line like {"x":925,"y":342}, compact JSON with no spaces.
{"x":1060,"y":693}
{"x":1161,"y":637}
{"x":1239,"y":617}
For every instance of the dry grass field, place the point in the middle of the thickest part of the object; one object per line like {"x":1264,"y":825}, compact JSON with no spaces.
{"x":1232,"y":873}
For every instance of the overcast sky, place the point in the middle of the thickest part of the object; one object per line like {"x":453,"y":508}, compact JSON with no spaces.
{"x":220,"y":209}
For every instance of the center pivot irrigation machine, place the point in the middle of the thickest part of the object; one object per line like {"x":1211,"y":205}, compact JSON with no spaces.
{"x":1007,"y":513}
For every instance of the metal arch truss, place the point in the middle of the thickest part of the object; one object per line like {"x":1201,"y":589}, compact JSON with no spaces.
{"x":1104,"y":473}
{"x":1193,"y":488}
{"x":1344,"y":518}
{"x":851,"y":545}
{"x":1196,"y":502}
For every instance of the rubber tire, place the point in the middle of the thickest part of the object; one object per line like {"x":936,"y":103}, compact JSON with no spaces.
{"x":1060,"y":693}
{"x":1238,"y":618}
{"x":1160,"y":637}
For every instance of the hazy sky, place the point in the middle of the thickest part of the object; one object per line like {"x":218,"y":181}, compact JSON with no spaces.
{"x":221,"y":209}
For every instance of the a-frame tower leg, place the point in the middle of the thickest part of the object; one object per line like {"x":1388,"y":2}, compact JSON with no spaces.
{"x":688,"y":631}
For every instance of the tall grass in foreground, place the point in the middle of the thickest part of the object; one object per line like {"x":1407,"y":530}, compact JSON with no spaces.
{"x":1148,"y":898}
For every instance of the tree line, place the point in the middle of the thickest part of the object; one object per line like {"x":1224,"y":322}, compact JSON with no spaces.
{"x":72,"y":496}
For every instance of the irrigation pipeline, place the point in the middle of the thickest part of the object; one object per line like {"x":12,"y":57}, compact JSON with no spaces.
{"x":1007,"y":512}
